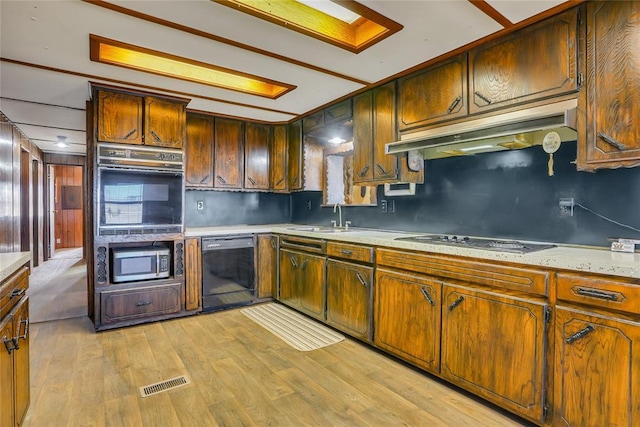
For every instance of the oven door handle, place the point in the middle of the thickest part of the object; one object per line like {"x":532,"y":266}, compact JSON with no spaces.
{"x":157,"y":264}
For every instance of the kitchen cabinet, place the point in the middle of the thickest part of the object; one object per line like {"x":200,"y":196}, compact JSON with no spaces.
{"x":597,"y":342}
{"x":193,"y":274}
{"x":199,"y":151}
{"x":536,"y":62}
{"x":374,"y":125}
{"x":336,"y":113}
{"x":434,"y":94}
{"x":349,"y":289}
{"x":278,"y":159}
{"x":228,"y":153}
{"x":267,"y":266}
{"x":484,"y":352}
{"x":130,"y":118}
{"x":295,"y":156}
{"x":302,"y":275}
{"x":609,"y":136}
{"x":140,"y":303}
{"x":256,"y":154}
{"x":14,"y":348}
{"x":407,"y":317}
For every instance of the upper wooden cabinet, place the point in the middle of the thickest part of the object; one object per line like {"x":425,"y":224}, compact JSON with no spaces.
{"x":536,"y":62}
{"x":437,"y":93}
{"x":374,"y":125}
{"x":336,"y":113}
{"x":294,"y":162}
{"x":539,"y":61}
{"x":257,"y":143}
{"x":135,"y":119}
{"x":278,"y":158}
{"x":228,"y":153}
{"x":609,"y":136}
{"x":199,"y":151}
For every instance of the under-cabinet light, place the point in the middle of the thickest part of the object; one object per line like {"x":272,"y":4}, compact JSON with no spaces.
{"x":478,"y":147}
{"x":125,"y":55}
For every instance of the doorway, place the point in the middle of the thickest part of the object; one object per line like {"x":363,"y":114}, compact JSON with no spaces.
{"x":66,"y":208}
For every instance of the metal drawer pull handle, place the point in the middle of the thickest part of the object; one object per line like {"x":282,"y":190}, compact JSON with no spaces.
{"x":143,"y":303}
{"x":293,"y":261}
{"x":304,"y":265}
{"x":9,"y":344}
{"x":251,"y":180}
{"x":381,"y":170}
{"x":484,"y":98}
{"x":456,"y":303}
{"x":611,"y":141}
{"x":364,"y":171}
{"x":127,"y":136}
{"x":346,"y":251}
{"x":595,"y":293}
{"x":17,"y":293}
{"x":273,"y":244}
{"x":155,"y":135}
{"x":453,"y":105}
{"x":26,"y":329}
{"x":361,"y":279}
{"x":203,"y":180}
{"x":580,"y":334}
{"x":280,"y":181}
{"x":427,"y":296}
{"x":221,"y":179}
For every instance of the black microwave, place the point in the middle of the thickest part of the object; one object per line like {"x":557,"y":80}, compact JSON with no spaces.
{"x":140,"y":263}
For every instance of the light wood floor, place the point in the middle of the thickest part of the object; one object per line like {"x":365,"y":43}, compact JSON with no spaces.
{"x":241,"y":375}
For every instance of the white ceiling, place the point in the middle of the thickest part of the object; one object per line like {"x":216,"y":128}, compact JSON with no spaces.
{"x":38,"y":36}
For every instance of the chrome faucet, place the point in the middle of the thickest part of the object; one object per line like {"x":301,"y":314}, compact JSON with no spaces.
{"x":337,"y":206}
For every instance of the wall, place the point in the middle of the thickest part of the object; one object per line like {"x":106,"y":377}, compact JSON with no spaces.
{"x":68,"y":222}
{"x":502,"y":195}
{"x":227,"y":208}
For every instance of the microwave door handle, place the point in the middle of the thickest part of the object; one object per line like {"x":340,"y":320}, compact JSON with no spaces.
{"x":157,"y":264}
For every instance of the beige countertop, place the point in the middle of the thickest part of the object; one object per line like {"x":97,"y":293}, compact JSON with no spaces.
{"x":565,"y":257}
{"x":10,"y":262}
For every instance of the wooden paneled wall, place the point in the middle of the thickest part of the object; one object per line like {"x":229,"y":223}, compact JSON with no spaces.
{"x":9,"y":234}
{"x":68,"y":221}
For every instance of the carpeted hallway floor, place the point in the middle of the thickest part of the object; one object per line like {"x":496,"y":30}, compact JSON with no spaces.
{"x":58,"y":287}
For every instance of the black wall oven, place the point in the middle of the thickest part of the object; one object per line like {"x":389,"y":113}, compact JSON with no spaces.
{"x":228,"y":272}
{"x":140,"y":190}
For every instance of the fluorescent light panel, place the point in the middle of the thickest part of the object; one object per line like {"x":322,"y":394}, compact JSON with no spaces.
{"x":311,"y":18}
{"x":125,"y":55}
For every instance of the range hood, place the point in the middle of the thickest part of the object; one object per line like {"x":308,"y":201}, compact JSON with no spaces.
{"x":516,"y":129}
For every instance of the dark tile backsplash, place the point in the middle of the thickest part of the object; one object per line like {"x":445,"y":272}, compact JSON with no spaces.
{"x":229,"y":208}
{"x":504,"y":195}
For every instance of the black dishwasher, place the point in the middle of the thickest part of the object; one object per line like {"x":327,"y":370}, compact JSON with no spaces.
{"x":228,"y":272}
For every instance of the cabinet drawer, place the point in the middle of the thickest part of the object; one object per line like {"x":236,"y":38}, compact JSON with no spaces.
{"x":599,"y":291}
{"x":143,"y":302}
{"x":351,"y":252}
{"x":499,"y":276}
{"x":13,"y":289}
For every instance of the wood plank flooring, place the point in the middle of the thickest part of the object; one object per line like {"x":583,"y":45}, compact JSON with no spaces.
{"x":241,"y":375}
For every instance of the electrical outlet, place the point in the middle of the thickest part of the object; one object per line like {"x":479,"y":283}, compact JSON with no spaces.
{"x":566,"y":206}
{"x":383,"y":206}
{"x":309,"y":204}
{"x":391,"y":206}
{"x":200,"y":205}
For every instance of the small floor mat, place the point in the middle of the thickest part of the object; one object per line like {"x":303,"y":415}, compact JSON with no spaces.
{"x":293,"y":328}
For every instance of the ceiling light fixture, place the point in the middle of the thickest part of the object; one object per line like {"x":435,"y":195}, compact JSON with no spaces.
{"x":62,"y":142}
{"x":125,"y":55}
{"x":323,"y":20}
{"x":337,"y":140}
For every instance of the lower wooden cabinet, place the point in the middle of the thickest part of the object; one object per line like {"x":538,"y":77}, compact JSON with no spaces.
{"x":193,"y":277}
{"x":267,"y":266}
{"x":597,"y":370}
{"x":140,"y":303}
{"x":407,"y":317}
{"x":494,"y":345}
{"x":349,"y":292}
{"x":302,"y":282}
{"x":7,"y":395}
{"x":21,"y":372}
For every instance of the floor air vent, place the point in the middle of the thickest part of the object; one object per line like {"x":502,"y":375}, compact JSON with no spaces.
{"x":150,"y":390}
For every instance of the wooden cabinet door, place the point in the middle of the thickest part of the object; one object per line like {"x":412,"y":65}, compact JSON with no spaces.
{"x":256,"y":154}
{"x":349,"y":288}
{"x":311,"y":282}
{"x":7,"y":418}
{"x":435,"y":94}
{"x":267,"y":265}
{"x":193,"y":279}
{"x":119,"y":118}
{"x":407,"y":317}
{"x":363,"y":138}
{"x":597,"y":370}
{"x":612,"y":137}
{"x":21,"y":375}
{"x":278,"y":159}
{"x":288,"y":292}
{"x":294,"y":163}
{"x":164,"y":122}
{"x":228,"y":153}
{"x":131,"y":304}
{"x":494,"y":346}
{"x":199,"y":151}
{"x":385,"y":168}
{"x":537,"y":62}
